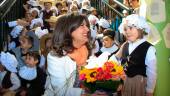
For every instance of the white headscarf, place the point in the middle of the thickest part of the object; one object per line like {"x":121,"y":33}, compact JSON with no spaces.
{"x":35,"y":9}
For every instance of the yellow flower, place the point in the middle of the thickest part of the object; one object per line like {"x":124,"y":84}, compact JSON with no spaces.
{"x":90,"y":79}
{"x":90,"y":74}
{"x":119,"y":69}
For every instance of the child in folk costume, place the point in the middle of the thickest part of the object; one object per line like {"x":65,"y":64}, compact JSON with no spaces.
{"x":9,"y":81}
{"x":32,"y":76}
{"x":47,"y":12}
{"x":109,"y":43}
{"x":139,"y":58}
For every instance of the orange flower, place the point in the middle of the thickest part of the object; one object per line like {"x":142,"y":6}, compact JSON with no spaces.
{"x":110,"y":71}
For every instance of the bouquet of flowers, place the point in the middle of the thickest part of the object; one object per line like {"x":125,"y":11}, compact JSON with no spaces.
{"x":102,"y":74}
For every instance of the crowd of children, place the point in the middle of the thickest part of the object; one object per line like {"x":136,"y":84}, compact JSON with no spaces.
{"x":23,"y":67}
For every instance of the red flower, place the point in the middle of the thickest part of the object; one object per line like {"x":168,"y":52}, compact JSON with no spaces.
{"x":82,"y":76}
{"x":99,"y":70}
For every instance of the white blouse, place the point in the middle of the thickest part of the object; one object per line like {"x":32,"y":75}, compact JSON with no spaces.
{"x":62,"y":72}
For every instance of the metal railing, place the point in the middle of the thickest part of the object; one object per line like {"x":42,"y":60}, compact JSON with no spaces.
{"x":9,"y":10}
{"x":107,"y":10}
{"x":114,"y":14}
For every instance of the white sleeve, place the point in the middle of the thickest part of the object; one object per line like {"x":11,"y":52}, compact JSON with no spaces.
{"x":58,"y":70}
{"x":42,"y":61}
{"x":15,"y":82}
{"x":151,"y":69}
{"x":41,"y":15}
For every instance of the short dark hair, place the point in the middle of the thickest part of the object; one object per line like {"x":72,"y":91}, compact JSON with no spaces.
{"x":85,"y":11}
{"x":29,"y":38}
{"x":58,"y":4}
{"x":35,"y":55}
{"x":110,"y":33}
{"x":62,"y":40}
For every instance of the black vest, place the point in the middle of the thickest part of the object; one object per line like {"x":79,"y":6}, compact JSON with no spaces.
{"x":47,"y":15}
{"x":135,"y":62}
{"x":6,"y":82}
{"x":36,"y":87}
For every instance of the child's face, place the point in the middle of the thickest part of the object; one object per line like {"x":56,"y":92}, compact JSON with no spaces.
{"x":28,"y":17}
{"x":74,"y":8}
{"x":30,"y":61}
{"x":34,"y":14}
{"x":64,"y":3}
{"x":47,"y":5}
{"x":59,"y":7}
{"x":134,"y":3}
{"x":131,"y":33}
{"x":107,"y":42}
{"x":94,"y":12}
{"x":24,"y":43}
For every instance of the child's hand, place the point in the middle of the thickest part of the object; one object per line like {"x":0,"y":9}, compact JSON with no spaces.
{"x":149,"y":94}
{"x":120,"y":87}
{"x":99,"y":93}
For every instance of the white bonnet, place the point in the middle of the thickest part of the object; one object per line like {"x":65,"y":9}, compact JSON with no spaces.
{"x":28,"y":73}
{"x":16,"y":31}
{"x":9,"y":61}
{"x":137,"y":21}
{"x":36,"y":21}
{"x":35,"y":9}
{"x":33,"y":3}
{"x":93,"y":19}
{"x":124,"y":11}
{"x":86,"y":1}
{"x":104,"y":23}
